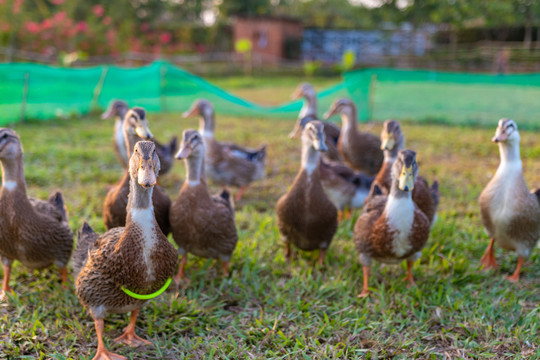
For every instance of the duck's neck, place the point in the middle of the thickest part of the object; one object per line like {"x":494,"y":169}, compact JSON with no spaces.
{"x":310,"y":157}
{"x":130,"y":139}
{"x":207,"y":123}
{"x":390,"y":156}
{"x":13,"y":175}
{"x":309,"y":108}
{"x":509,"y":152}
{"x":195,"y":169}
{"x":348,"y":120}
{"x":399,"y":209}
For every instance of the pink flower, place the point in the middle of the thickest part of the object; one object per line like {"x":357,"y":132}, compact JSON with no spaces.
{"x":32,"y":27}
{"x":58,"y":2}
{"x":165,"y":38}
{"x":98,"y":10}
{"x":17,"y":4}
{"x":82,"y":26}
{"x":46,"y":24}
{"x":59,"y":16}
{"x":106,"y":20}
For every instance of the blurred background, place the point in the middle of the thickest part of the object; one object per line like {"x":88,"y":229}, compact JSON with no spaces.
{"x":260,"y":38}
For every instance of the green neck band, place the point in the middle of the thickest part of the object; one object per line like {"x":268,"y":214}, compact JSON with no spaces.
{"x":149,"y":296}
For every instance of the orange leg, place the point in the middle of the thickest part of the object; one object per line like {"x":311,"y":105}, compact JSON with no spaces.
{"x":409,"y":276}
{"x":64,"y":275}
{"x":181,"y":276}
{"x":7,"y":273}
{"x":348,"y":213}
{"x":288,"y":252}
{"x":240,"y":192}
{"x":515,"y":276}
{"x":365,"y":290}
{"x":322,"y":254}
{"x":102,"y":352}
{"x":340,"y":216}
{"x":488,"y":260}
{"x":129,"y":337}
{"x":225,"y":266}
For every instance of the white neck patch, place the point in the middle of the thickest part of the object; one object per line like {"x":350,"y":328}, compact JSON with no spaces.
{"x":193,"y":182}
{"x":206,"y":133}
{"x":9,"y":185}
{"x":400,"y":216}
{"x":144,"y":218}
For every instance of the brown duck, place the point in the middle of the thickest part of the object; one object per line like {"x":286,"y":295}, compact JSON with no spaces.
{"x":392,"y":141}
{"x":510,"y":213}
{"x":135,"y":126}
{"x":392,"y":228}
{"x":227,"y":164}
{"x":305,"y":215}
{"x":137,"y":257}
{"x":359,"y":150}
{"x":309,"y":113}
{"x":202,"y":225}
{"x":119,"y":109}
{"x":34,"y":232}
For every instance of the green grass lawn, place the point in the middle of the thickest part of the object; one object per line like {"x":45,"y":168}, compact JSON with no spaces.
{"x":266,"y":309}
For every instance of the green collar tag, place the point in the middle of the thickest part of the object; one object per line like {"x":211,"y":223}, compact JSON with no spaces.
{"x":149,"y":296}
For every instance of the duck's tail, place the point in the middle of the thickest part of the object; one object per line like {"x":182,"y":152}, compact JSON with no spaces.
{"x":86,"y":237}
{"x":173,"y":145}
{"x":57,"y":201}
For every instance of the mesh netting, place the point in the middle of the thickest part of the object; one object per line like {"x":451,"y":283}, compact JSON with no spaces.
{"x":379,"y":93}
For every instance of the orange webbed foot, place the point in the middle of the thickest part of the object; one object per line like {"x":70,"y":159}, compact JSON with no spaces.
{"x":488,"y":259}
{"x":131,"y":339}
{"x":363,"y":294}
{"x":105,"y":354}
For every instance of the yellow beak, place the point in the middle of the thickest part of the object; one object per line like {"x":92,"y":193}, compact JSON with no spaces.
{"x":388,"y":143}
{"x":144,"y":132}
{"x":406,"y":179}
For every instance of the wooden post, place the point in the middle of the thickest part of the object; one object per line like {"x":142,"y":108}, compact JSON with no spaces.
{"x":162,"y":83}
{"x":99,"y":88}
{"x":24,"y":97}
{"x":371,"y":96}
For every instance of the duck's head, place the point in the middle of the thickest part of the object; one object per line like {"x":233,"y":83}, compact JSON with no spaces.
{"x":10,"y":144}
{"x":405,"y":170}
{"x":192,"y":145}
{"x":340,"y":106}
{"x":313,"y":135}
{"x":304,"y":90}
{"x":116,"y":108}
{"x":144,"y":164}
{"x":391,"y":136}
{"x":506,"y":132}
{"x":201,"y":107}
{"x":135,"y":123}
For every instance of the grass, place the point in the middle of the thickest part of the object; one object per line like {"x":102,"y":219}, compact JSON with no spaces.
{"x":266,"y":309}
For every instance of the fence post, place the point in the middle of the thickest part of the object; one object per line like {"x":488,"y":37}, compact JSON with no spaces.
{"x":24,"y":97}
{"x":98,"y":88}
{"x":162,"y":83}
{"x":371,"y":96}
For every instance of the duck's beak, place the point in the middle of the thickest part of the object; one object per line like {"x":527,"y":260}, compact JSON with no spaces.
{"x":331,"y":112}
{"x":499,"y":137}
{"x":319,"y":144}
{"x":191,"y":112}
{"x":146,"y":177}
{"x":387,"y":142}
{"x":406,"y":179}
{"x":297,"y":94}
{"x":144,"y":132}
{"x":183,"y":153}
{"x":107,"y":114}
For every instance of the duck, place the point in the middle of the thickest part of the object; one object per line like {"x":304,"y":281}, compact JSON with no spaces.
{"x":118,"y":109}
{"x":510,"y":213}
{"x":117,"y":270}
{"x":425,"y":196}
{"x":392,"y":228}
{"x":135,"y":126}
{"x":360,"y":151}
{"x":227,"y":164}
{"x":306,"y":217}
{"x":345,"y":188}
{"x":34,"y":232}
{"x":308,"y":112}
{"x":201,"y":224}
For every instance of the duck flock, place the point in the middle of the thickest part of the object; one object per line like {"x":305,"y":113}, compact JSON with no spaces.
{"x":341,"y":169}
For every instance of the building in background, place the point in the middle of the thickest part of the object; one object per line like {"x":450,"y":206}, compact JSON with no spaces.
{"x":272,"y":38}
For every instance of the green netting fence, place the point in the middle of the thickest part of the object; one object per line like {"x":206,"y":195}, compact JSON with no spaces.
{"x":42,"y":92}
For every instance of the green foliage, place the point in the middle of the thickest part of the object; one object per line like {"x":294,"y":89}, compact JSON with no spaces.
{"x":243,"y":46}
{"x":267,"y":309}
{"x":310,"y":67}
{"x":348,"y":60}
